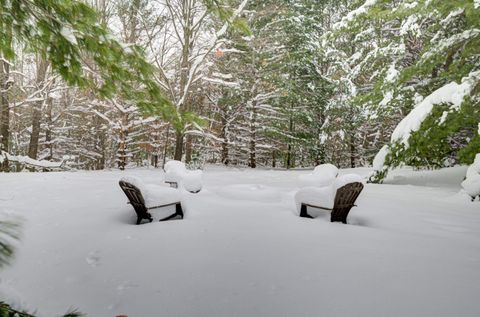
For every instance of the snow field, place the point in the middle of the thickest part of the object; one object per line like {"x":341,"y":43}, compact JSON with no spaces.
{"x":408,"y":250}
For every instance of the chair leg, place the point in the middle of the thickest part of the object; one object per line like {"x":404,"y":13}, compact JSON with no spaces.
{"x":169,"y":217}
{"x":336,"y":217}
{"x":303,"y":212}
{"x":179,"y":210}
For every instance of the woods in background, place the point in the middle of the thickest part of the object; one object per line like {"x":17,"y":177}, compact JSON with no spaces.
{"x":306,"y":82}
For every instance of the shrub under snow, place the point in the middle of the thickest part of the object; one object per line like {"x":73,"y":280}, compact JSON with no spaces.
{"x":175,"y":171}
{"x":471,"y":184}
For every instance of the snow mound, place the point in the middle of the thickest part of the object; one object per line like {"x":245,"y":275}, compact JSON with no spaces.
{"x":475,"y":167}
{"x":27,"y":160}
{"x":157,"y":195}
{"x":192,"y":181}
{"x":471,"y":184}
{"x":451,"y":93}
{"x":321,"y":176}
{"x":175,"y":171}
{"x":379,"y":160}
{"x":135,"y":181}
{"x":347,"y":179}
{"x":154,"y":195}
{"x":324,"y":196}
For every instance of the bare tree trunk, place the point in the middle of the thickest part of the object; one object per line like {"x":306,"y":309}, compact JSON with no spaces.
{"x":188,"y":149}
{"x":289,"y":145}
{"x":165,"y":150}
{"x":224,"y":157}
{"x":48,"y":131}
{"x":4,"y":111}
{"x":42,"y":66}
{"x":101,"y":142}
{"x":185,"y":66}
{"x":122,"y":149}
{"x":352,"y":151}
{"x":253,"y":136}
{"x":178,"y":146}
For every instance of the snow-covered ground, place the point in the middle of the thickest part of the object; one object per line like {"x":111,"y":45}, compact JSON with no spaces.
{"x":411,"y":248}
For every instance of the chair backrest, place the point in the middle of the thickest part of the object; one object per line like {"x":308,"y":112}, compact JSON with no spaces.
{"x":135,"y":197}
{"x":344,"y":201}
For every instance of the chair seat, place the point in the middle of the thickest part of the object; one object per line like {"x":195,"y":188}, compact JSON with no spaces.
{"x":156,"y":195}
{"x":322,"y":175}
{"x":315,"y":180}
{"x":316,"y":196}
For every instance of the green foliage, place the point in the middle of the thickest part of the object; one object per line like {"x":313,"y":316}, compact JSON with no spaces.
{"x":225,"y":13}
{"x":378,"y":176}
{"x":68,"y":33}
{"x":428,"y":44}
{"x":9,"y":233}
{"x":7,"y":311}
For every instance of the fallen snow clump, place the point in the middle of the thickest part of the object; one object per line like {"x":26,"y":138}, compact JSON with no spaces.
{"x":471,"y":184}
{"x":322,"y":175}
{"x":175,"y":171}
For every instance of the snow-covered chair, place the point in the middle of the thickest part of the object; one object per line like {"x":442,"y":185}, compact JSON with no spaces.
{"x":322,"y":175}
{"x":338,"y":197}
{"x":144,"y":197}
{"x":471,"y":184}
{"x":176,"y":174}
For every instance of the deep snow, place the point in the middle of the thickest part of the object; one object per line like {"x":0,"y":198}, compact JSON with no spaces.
{"x":411,"y":248}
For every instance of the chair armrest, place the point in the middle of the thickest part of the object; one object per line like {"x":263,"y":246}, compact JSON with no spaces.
{"x":154,"y":207}
{"x":319,"y":207}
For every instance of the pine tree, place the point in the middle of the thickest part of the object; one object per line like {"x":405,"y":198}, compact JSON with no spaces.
{"x":404,"y":52}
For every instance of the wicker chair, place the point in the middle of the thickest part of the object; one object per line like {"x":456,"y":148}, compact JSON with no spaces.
{"x":344,"y":201}
{"x":137,"y":201}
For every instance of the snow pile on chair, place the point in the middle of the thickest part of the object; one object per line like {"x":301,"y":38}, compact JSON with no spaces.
{"x":154,"y":195}
{"x":471,"y":184}
{"x":324,"y":196}
{"x":322,"y":175}
{"x":175,"y":171}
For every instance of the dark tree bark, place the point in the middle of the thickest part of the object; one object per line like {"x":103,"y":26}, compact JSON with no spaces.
{"x":188,"y":149}
{"x":223,"y":134}
{"x":253,"y":137}
{"x":165,"y":149}
{"x":42,"y":66}
{"x":289,"y":146}
{"x":48,"y":131}
{"x":188,"y":23}
{"x":352,"y":151}
{"x":4,"y":111}
{"x":178,"y":146}
{"x":122,"y":149}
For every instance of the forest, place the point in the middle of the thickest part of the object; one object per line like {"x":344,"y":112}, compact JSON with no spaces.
{"x":239,"y":158}
{"x":283,"y":83}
